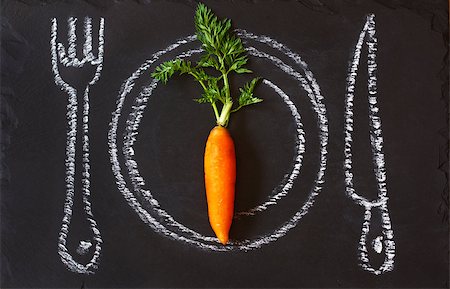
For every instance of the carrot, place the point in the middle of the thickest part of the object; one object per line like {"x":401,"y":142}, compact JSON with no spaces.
{"x":225,"y":53}
{"x":220,"y":179}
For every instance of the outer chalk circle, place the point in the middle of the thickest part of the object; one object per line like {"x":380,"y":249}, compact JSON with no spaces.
{"x":309,"y":84}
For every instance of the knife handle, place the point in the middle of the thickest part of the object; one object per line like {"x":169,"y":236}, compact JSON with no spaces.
{"x":383,"y":243}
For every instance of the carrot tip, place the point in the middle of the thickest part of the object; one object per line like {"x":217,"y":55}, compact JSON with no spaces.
{"x":223,"y":238}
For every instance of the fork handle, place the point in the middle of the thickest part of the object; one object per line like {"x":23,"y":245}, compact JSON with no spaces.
{"x":86,"y":178}
{"x":66,"y":257}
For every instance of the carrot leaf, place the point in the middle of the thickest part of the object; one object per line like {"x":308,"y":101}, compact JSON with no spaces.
{"x":246,"y":97}
{"x":224,"y":52}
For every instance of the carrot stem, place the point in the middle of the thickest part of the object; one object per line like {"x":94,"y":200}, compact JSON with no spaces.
{"x":225,"y":114}
{"x":216,"y":112}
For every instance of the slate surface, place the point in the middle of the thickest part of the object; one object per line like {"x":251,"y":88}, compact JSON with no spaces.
{"x":322,"y":250}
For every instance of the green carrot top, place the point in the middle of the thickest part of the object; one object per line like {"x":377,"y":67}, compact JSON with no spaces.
{"x":224,"y":52}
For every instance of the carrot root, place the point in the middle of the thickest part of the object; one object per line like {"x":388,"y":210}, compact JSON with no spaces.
{"x":220,"y":180}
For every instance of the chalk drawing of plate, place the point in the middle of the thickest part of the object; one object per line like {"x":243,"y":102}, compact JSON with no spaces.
{"x":135,"y":190}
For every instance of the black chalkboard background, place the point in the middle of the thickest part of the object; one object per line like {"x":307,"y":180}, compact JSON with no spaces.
{"x":322,"y":250}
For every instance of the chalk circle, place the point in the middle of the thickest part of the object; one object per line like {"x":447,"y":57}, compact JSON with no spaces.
{"x":164,"y":223}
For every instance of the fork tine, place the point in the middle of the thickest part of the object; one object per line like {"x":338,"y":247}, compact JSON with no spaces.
{"x":87,"y":47}
{"x":101,"y":42}
{"x":58,"y":50}
{"x":72,"y":37}
{"x":62,"y":54}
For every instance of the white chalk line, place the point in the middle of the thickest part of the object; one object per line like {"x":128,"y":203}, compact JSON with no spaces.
{"x":201,"y":241}
{"x":84,"y":247}
{"x":314,"y":95}
{"x":70,"y":59}
{"x":376,"y":140}
{"x":288,"y":181}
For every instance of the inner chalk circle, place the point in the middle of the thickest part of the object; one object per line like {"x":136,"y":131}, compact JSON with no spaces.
{"x":308,"y":83}
{"x":138,"y":182}
{"x":278,"y":192}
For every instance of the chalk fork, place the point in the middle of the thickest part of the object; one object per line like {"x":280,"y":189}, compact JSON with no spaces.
{"x":68,"y":58}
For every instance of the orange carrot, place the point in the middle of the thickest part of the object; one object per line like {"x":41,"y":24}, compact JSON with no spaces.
{"x":220,"y":179}
{"x":225,"y":53}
